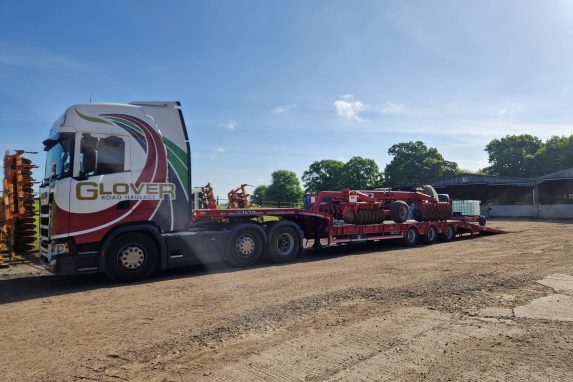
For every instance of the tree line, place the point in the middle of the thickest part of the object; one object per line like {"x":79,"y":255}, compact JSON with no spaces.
{"x":414,"y":163}
{"x":528,"y":156}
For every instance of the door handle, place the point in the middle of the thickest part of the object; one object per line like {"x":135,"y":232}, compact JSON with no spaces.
{"x":123,"y":205}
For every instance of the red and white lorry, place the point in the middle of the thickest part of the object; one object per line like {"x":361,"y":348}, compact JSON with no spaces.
{"x":116,"y":198}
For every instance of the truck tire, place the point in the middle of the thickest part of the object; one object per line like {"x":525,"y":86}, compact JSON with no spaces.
{"x":285,"y":243}
{"x":411,"y":237}
{"x":245,"y":246}
{"x":482,"y":221}
{"x":399,"y":211}
{"x":131,"y":257}
{"x":449,"y":233}
{"x":431,"y":235}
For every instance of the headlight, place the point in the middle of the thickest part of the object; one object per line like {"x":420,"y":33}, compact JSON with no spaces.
{"x":58,"y":249}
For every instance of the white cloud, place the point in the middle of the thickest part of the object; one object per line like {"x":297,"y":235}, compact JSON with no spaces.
{"x":231,"y":124}
{"x":347,"y":97}
{"x":348,"y":107}
{"x":393,"y":108}
{"x":220,"y":149}
{"x":502,"y":111}
{"x":285,"y":108}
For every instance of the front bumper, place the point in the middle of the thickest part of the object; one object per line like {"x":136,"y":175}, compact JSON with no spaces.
{"x":70,"y":262}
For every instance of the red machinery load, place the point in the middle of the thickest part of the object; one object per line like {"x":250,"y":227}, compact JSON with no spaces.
{"x":355,"y":216}
{"x":374,"y":207}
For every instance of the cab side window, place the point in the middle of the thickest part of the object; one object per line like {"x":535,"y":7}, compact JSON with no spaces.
{"x":99,"y":156}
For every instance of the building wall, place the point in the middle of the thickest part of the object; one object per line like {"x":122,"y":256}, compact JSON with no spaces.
{"x":556,"y":211}
{"x":545,"y":211}
{"x":509,"y":210}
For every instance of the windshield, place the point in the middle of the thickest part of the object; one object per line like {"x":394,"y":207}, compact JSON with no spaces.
{"x":59,"y":161}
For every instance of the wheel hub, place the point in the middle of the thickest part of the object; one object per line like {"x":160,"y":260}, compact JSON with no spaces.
{"x":285,"y":243}
{"x":411,"y":235}
{"x":245,"y":245}
{"x":431,"y":234}
{"x":131,"y":257}
{"x":450,"y":232}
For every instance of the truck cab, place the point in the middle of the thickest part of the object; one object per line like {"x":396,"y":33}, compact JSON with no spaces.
{"x":109,"y":168}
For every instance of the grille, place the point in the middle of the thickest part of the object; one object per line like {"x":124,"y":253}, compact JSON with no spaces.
{"x":44,"y":224}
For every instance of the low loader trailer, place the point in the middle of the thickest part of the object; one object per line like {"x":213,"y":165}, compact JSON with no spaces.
{"x":116,"y":198}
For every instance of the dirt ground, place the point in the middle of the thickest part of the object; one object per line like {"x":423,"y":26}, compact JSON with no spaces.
{"x":369,"y":312}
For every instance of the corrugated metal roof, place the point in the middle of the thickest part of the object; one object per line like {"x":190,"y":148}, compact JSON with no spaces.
{"x":563,"y":174}
{"x":468,"y":179}
{"x":480,"y":179}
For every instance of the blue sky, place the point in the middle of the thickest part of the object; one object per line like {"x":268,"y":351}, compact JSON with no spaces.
{"x":271,"y":85}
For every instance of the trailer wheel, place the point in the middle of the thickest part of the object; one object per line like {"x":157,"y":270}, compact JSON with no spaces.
{"x":245,"y":245}
{"x":431,"y":235}
{"x":399,"y":211}
{"x":411,"y":237}
{"x":449,"y":233}
{"x":284,"y":242}
{"x":131,"y":257}
{"x":482,"y":221}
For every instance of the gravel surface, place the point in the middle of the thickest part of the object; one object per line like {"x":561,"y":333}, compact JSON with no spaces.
{"x":368,"y":312}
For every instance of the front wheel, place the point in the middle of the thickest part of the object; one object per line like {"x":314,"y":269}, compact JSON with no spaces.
{"x":131,"y":257}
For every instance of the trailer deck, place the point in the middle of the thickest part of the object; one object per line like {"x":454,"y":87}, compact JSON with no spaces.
{"x":321,"y":225}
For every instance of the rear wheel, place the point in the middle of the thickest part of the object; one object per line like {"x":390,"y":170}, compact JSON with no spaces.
{"x":449,"y":233}
{"x":431,"y":236}
{"x":245,"y":245}
{"x":284,"y":243}
{"x":411,"y":238}
{"x":399,"y":211}
{"x":131,"y":257}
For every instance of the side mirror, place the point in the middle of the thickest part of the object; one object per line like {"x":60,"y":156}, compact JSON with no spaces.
{"x":82,"y":176}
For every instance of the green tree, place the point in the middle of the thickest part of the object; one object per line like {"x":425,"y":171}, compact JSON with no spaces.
{"x":415,"y":163}
{"x":361,"y":174}
{"x":513,"y":155}
{"x":323,"y":175}
{"x":555,"y":154}
{"x":259,"y":194}
{"x":285,"y":187}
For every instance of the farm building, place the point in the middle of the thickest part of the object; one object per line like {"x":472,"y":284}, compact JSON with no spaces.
{"x":548,"y":196}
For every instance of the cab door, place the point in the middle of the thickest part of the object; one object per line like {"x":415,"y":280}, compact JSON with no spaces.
{"x":101,"y":186}
{"x":55,"y":190}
